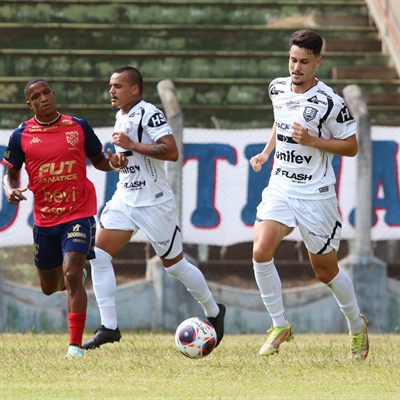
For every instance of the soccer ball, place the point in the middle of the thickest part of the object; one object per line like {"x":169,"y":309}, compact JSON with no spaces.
{"x":195,"y":338}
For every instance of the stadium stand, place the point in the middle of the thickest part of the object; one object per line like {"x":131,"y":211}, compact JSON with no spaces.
{"x":221,"y":55}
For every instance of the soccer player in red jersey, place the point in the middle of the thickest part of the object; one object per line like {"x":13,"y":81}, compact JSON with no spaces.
{"x":54,"y":148}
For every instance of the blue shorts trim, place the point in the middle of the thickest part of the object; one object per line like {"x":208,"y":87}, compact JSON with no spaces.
{"x":50,"y":244}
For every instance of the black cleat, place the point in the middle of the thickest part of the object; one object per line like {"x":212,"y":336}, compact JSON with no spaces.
{"x":218,"y":323}
{"x":102,"y":335}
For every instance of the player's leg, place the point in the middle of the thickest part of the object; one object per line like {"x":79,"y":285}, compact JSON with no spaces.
{"x":195,"y":282}
{"x":161,"y":225}
{"x":51,"y":280}
{"x":116,"y":229}
{"x":48,"y":260}
{"x":76,"y":252}
{"x":273,"y":222}
{"x":320,"y":226}
{"x":108,"y":243}
{"x":73,"y":266}
{"x":327,"y":271}
{"x":267,"y":236}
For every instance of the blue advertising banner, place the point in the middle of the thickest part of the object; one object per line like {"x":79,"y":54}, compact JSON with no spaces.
{"x":220,"y":192}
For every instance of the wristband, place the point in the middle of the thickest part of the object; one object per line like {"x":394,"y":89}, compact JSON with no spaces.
{"x":112,"y":166}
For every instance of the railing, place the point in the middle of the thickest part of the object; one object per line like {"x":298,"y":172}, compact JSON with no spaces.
{"x":386,"y":15}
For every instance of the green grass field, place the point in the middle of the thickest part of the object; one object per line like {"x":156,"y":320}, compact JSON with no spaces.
{"x":147,"y":366}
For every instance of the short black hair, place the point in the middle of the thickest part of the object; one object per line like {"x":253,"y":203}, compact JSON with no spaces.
{"x":134,"y":76}
{"x":32,"y":82}
{"x":308,"y":40}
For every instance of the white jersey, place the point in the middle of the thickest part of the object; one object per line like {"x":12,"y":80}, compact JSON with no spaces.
{"x":143,"y":181}
{"x":304,"y":172}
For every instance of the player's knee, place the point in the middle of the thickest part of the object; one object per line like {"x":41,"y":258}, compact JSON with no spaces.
{"x":324,"y":275}
{"x":103,"y":259}
{"x":261,"y":255}
{"x":73,"y":278}
{"x":47,"y":290}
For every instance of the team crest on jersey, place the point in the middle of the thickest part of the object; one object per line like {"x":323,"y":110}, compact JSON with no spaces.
{"x":72,"y":137}
{"x":309,"y":113}
{"x":128,"y":126}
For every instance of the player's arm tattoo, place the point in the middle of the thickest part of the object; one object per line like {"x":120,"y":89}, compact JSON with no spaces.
{"x":159,"y":150}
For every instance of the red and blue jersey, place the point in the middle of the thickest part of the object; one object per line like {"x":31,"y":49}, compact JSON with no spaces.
{"x":55,"y":161}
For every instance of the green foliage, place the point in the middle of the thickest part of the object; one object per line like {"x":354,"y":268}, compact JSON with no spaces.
{"x":147,"y":366}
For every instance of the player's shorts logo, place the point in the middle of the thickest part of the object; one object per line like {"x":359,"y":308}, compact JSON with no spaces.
{"x":72,"y":137}
{"x":76,"y":228}
{"x":309,"y":113}
{"x":76,"y":232}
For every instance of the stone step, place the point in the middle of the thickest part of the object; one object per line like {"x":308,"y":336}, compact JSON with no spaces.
{"x":354,"y":45}
{"x":190,"y":91}
{"x":202,"y":45}
{"x":175,"y":12}
{"x":341,"y":19}
{"x":383,"y":99}
{"x":170,"y":37}
{"x":363,"y":72}
{"x":168,"y":64}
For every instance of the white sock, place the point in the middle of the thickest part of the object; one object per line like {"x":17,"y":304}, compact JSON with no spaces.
{"x":104,"y":287}
{"x":196,"y":284}
{"x":343,"y":291}
{"x":270,"y":286}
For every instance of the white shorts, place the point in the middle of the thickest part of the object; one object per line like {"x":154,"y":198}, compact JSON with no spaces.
{"x":318,"y":220}
{"x":158,"y":222}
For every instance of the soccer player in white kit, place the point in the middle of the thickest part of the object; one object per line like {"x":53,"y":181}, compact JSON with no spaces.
{"x":143,"y":200}
{"x":311,"y":124}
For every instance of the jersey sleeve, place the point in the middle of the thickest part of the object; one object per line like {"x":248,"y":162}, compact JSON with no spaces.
{"x":155,"y":123}
{"x":271,"y":91}
{"x":14,"y":156}
{"x":341,"y":123}
{"x":93,"y":146}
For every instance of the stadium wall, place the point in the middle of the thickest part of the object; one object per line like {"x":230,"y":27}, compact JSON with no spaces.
{"x":160,"y":303}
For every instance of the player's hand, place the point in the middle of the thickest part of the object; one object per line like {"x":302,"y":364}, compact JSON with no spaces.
{"x":300,"y":134}
{"x":258,"y":160}
{"x":14,"y":196}
{"x":118,"y":160}
{"x":121,"y":139}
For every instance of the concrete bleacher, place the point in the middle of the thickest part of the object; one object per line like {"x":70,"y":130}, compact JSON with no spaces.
{"x":220,"y":54}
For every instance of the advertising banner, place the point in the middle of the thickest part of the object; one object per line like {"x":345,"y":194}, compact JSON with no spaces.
{"x":220,"y":191}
